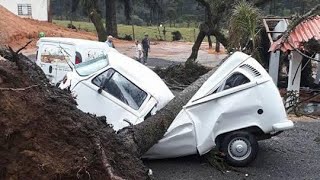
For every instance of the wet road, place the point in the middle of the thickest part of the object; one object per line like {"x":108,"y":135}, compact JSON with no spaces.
{"x":294,"y":154}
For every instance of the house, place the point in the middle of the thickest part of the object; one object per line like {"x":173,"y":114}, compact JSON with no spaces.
{"x":34,"y":9}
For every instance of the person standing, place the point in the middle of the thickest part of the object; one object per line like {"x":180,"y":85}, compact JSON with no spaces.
{"x":109,"y":41}
{"x":145,"y":48}
{"x":138,"y":51}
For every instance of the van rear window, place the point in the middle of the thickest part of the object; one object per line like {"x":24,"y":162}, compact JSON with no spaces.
{"x":55,"y":54}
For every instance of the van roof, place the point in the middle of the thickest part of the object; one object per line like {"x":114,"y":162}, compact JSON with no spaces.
{"x":73,"y":41}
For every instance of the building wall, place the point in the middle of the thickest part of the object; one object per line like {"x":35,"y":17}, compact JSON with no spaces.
{"x":39,"y":8}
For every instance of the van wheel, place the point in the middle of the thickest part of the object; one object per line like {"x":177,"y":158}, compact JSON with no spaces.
{"x":240,"y":148}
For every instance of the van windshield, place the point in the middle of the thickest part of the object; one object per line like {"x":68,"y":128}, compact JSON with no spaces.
{"x":92,"y":66}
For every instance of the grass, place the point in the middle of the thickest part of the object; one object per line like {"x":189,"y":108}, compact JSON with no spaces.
{"x":188,"y":34}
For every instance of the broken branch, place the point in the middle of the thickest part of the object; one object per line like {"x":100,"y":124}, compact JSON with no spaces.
{"x":23,"y":47}
{"x":18,"y":89}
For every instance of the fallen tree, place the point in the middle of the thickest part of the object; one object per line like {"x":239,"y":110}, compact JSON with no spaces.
{"x":43,"y":135}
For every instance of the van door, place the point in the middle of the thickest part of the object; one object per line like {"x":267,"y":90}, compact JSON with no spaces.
{"x":53,"y":59}
{"x":113,"y":95}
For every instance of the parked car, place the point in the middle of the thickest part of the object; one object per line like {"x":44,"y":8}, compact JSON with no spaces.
{"x":237,"y":106}
{"x":56,"y":56}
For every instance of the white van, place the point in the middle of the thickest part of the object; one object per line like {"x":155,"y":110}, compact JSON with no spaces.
{"x":56,"y":56}
{"x":237,"y":106}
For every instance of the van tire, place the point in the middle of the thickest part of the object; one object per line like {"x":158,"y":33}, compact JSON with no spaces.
{"x":240,"y":148}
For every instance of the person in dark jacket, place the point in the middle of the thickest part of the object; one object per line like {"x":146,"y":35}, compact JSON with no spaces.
{"x":145,"y":48}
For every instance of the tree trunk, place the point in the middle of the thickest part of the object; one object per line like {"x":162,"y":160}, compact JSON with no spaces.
{"x":196,"y":46}
{"x":210,"y":42}
{"x":220,"y":37}
{"x":217,"y":46}
{"x":111,"y":18}
{"x":141,"y":137}
{"x":95,"y":17}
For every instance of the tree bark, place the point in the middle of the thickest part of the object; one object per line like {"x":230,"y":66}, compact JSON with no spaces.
{"x":141,"y":137}
{"x":196,"y":46}
{"x":111,"y":18}
{"x":210,"y":42}
{"x":217,"y":46}
{"x":95,"y":17}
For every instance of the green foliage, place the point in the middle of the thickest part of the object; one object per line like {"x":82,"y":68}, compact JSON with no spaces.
{"x":244,"y":25}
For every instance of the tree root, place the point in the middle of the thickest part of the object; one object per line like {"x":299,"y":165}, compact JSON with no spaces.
{"x":106,"y":163}
{"x":18,"y":89}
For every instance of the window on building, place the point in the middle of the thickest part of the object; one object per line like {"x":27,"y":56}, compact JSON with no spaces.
{"x":24,"y":10}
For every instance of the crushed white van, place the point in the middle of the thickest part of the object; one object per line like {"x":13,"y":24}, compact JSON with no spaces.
{"x":237,"y":106}
{"x":56,"y":56}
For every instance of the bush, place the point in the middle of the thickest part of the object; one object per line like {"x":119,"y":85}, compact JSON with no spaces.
{"x":176,"y":36}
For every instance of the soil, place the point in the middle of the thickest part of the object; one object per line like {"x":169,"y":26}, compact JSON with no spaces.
{"x":179,"y":76}
{"x":44,"y":136}
{"x":16,"y":31}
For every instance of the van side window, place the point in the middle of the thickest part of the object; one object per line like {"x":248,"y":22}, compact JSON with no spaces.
{"x":236,"y":79}
{"x":120,"y":87}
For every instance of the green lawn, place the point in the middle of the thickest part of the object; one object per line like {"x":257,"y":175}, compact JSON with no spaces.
{"x":188,"y":34}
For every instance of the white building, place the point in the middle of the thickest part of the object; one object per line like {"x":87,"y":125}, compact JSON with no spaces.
{"x":34,"y":9}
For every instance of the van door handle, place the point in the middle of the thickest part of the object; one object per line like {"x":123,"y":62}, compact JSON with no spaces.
{"x":50,"y":69}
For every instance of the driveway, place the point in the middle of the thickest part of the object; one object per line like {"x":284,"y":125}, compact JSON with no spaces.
{"x":294,"y":154}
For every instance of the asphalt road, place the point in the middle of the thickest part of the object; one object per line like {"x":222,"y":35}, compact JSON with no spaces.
{"x":294,"y":154}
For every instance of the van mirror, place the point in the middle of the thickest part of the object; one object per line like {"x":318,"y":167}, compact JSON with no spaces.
{"x":100,"y":90}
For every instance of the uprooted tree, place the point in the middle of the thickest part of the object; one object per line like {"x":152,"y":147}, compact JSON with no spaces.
{"x":44,"y":135}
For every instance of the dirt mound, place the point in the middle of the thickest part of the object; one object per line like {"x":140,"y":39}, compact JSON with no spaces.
{"x":44,"y":136}
{"x":179,"y":76}
{"x":16,"y":31}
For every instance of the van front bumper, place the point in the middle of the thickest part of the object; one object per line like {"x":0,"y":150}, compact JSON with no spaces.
{"x":283,"y":126}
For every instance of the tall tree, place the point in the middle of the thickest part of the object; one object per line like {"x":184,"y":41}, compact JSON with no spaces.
{"x":91,"y":8}
{"x":111,"y":18}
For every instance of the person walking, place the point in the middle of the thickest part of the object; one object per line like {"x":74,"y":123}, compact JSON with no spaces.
{"x":109,"y":41}
{"x":138,"y":51}
{"x":145,"y":48}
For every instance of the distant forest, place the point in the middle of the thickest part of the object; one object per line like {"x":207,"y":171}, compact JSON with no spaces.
{"x":155,"y":12}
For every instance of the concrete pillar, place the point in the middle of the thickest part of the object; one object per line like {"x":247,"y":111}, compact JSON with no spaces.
{"x":294,"y":72}
{"x":274,"y":66}
{"x":317,"y":80}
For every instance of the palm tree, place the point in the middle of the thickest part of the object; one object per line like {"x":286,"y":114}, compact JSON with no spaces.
{"x":243,"y":27}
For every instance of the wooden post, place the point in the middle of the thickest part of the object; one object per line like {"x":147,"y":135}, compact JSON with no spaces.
{"x":133,"y":35}
{"x":294,"y":72}
{"x":317,"y":80}
{"x":274,"y":66}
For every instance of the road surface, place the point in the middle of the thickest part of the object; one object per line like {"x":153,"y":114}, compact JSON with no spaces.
{"x":294,"y":154}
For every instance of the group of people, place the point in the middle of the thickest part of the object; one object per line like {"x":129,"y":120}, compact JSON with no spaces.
{"x":142,"y":49}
